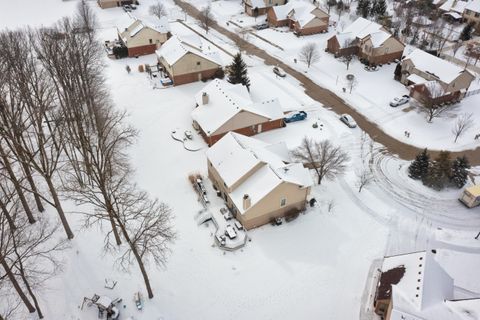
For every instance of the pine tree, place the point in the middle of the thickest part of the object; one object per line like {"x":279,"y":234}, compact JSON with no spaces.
{"x":418,"y":169}
{"x":467,"y":32}
{"x":365,"y":10}
{"x":373,"y":8}
{"x":237,"y":71}
{"x":439,"y":172}
{"x":380,"y":8}
{"x":459,"y":172}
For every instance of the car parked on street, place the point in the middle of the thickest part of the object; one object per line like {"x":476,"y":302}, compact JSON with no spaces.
{"x":348,"y":120}
{"x":261,"y":26}
{"x":398,"y":101}
{"x":297,"y":116}
{"x":279,"y":72}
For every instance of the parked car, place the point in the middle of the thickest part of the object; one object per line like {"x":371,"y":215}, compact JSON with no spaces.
{"x":398,"y":101}
{"x":230,"y":232}
{"x":127,"y":8}
{"x":348,"y":120}
{"x":279,"y":72}
{"x":134,"y":7}
{"x":261,"y":26}
{"x":297,"y":116}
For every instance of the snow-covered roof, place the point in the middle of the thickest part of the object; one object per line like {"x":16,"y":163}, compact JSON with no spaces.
{"x":362,"y":28}
{"x":474,"y":190}
{"x":131,"y":26}
{"x":298,"y":11}
{"x":258,"y":4}
{"x":445,"y":71}
{"x":281,"y":12}
{"x":416,"y":79}
{"x":465,"y":309}
{"x":435,"y":89}
{"x":473,"y":6}
{"x":454,"y":5}
{"x":454,"y":15}
{"x":267,"y":165}
{"x":174,"y":49}
{"x":225,"y":100}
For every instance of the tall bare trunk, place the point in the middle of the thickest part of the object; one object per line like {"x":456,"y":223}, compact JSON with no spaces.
{"x":58,"y":206}
{"x":17,"y":186}
{"x":33,"y":187}
{"x":5,"y":211}
{"x":138,"y":258}
{"x":15,"y":284}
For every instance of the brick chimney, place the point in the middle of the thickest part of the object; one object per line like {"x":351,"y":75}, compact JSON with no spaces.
{"x":204,"y":98}
{"x":246,"y":202}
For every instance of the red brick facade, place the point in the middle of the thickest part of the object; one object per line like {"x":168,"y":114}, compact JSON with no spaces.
{"x":420,"y":93}
{"x":247,"y":131}
{"x":272,"y":21}
{"x":382,"y":59}
{"x":193,"y":77}
{"x":142,"y":50}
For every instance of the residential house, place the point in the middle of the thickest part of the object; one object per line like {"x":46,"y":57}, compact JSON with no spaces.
{"x":472,"y":14}
{"x":257,"y":180}
{"x":105,"y":4}
{"x":187,"y":60}
{"x":302,"y":17}
{"x":223,"y":107}
{"x":368,"y":40}
{"x":453,"y":9}
{"x":433,"y":78}
{"x":255,"y":8}
{"x":415,"y":286}
{"x":143,"y":36}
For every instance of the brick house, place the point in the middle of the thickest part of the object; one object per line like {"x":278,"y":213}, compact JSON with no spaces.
{"x":472,"y":14}
{"x":223,"y":107}
{"x":144,"y":37}
{"x":258,"y":7}
{"x":433,"y":79}
{"x":106,"y":4}
{"x":368,"y":40}
{"x":303,"y":18}
{"x":257,"y":180}
{"x":186,"y":60}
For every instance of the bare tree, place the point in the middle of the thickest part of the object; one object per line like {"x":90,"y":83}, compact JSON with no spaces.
{"x":327,"y":160}
{"x":309,"y":54}
{"x":428,"y":104}
{"x":463,"y":123}
{"x":158,"y":10}
{"x":85,"y":20}
{"x":205,"y":18}
{"x":364,"y":178}
{"x":457,"y":45}
{"x":352,"y":83}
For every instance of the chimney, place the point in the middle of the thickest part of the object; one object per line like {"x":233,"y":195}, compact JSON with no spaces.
{"x":246,"y":202}
{"x":204,"y":98}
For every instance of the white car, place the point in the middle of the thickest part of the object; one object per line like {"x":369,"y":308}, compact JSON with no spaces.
{"x":398,"y":101}
{"x":348,"y":120}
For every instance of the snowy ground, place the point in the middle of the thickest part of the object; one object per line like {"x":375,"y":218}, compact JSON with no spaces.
{"x":297,"y":270}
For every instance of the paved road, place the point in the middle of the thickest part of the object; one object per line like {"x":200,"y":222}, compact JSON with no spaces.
{"x":328,"y":98}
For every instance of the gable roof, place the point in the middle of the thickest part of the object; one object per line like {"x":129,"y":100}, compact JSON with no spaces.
{"x":225,"y":100}
{"x":454,"y":5}
{"x":175,"y":48}
{"x":235,"y":155}
{"x":445,"y":71}
{"x":362,"y":28}
{"x":132,"y":26}
{"x":473,"y":6}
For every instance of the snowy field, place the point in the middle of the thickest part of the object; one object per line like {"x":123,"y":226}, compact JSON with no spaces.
{"x":314,"y":267}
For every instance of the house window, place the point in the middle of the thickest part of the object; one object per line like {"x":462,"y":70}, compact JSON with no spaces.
{"x":151,"y":41}
{"x":198,"y":63}
{"x":283,"y":201}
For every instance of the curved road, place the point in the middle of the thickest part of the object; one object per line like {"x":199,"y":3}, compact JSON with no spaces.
{"x":330,"y":99}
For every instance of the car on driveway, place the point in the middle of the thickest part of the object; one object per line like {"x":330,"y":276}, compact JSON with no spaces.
{"x":297,"y":116}
{"x":348,"y":120}
{"x":279,"y":72}
{"x":398,"y":101}
{"x":127,"y":8}
{"x":261,"y":26}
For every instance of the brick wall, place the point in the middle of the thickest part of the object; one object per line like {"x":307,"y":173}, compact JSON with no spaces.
{"x":193,"y":77}
{"x":142,"y":50}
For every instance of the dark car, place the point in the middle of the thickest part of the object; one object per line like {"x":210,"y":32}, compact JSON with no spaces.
{"x":127,"y":8}
{"x":297,"y":116}
{"x":261,"y":26}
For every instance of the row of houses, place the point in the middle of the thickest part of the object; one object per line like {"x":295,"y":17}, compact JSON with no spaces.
{"x":415,"y":286}
{"x":468,"y":11}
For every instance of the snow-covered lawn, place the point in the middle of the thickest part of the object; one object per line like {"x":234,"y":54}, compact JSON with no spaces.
{"x":314,"y":267}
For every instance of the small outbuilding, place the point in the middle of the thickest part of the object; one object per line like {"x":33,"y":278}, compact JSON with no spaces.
{"x":471,"y":196}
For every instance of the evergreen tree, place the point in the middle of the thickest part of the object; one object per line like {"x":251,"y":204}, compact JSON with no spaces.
{"x":237,"y":71}
{"x":418,"y":169}
{"x":439,"y":172}
{"x":373,"y":8}
{"x":380,"y":8}
{"x":467,"y":32}
{"x":459,"y":172}
{"x":359,"y":7}
{"x":366,"y":8}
